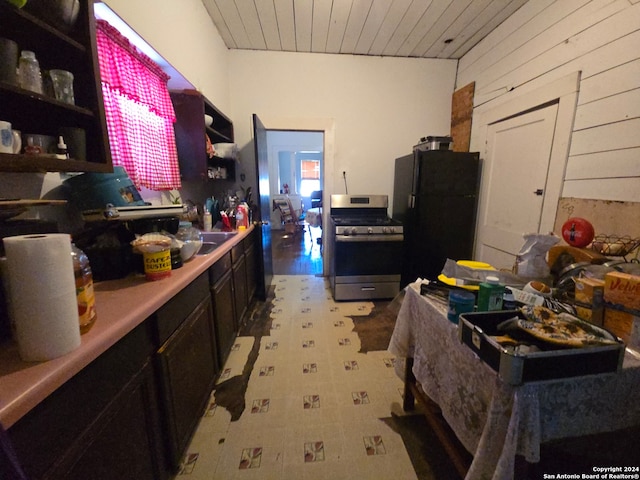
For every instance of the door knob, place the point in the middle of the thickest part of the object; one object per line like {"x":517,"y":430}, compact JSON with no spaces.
{"x":539,"y":191}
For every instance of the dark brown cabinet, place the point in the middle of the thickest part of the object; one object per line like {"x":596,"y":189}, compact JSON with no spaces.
{"x":240,"y":297}
{"x":121,"y":444}
{"x":131,"y":413}
{"x":233,"y":281}
{"x":222,"y":298}
{"x":34,"y":113}
{"x":187,"y":363}
{"x":188,"y":366}
{"x":103,"y":423}
{"x":251,"y":265}
{"x":191,"y":136}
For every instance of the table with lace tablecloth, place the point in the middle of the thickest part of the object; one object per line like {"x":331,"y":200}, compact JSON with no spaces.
{"x":493,"y":420}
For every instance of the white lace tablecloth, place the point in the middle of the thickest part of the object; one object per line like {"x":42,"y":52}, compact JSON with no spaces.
{"x":496,"y":421}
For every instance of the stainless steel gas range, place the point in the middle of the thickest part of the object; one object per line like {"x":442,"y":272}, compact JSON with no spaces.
{"x":366,"y":248}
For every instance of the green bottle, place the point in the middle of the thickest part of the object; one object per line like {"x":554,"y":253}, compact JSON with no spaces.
{"x":490,"y":295}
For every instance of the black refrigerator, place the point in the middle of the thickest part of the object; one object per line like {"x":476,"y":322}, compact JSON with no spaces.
{"x":435,"y":196}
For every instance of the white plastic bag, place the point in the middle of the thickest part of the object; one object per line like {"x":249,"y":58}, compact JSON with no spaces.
{"x":531,"y":262}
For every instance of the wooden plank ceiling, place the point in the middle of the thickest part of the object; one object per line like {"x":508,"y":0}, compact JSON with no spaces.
{"x":396,"y":28}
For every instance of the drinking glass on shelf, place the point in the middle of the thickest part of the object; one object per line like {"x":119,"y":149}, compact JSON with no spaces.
{"x":29,"y":76}
{"x":62,"y":82}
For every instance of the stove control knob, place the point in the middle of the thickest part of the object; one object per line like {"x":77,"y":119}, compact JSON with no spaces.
{"x":369,"y":230}
{"x":354,"y":231}
{"x":385,"y":230}
{"x":392,"y":229}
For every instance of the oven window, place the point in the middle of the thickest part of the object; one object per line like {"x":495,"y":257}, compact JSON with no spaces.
{"x":368,"y":258}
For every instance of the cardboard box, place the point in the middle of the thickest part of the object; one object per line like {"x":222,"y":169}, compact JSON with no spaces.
{"x":595,"y":316}
{"x":622,"y":290}
{"x":589,"y":293}
{"x":586,"y":289}
{"x":625,"y":325}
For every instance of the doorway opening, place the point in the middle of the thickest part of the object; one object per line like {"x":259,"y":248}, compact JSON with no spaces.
{"x":296,"y":181}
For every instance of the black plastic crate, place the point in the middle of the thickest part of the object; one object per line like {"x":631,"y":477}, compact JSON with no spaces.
{"x":476,"y":329}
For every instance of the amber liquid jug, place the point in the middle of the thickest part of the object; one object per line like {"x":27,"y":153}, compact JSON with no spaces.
{"x":84,"y":289}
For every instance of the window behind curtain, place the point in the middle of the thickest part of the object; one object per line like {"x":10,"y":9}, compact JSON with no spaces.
{"x":139,"y":112}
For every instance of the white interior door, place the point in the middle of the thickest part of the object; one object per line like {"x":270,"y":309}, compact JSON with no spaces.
{"x":515,"y":173}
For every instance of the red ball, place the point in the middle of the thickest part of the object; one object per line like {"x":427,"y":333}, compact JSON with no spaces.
{"x":578,"y":232}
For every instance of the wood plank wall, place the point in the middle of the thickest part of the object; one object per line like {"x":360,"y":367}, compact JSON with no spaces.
{"x":461,"y":116}
{"x":545,"y":40}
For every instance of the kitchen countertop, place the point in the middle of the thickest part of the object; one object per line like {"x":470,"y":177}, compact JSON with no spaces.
{"x":121,"y":306}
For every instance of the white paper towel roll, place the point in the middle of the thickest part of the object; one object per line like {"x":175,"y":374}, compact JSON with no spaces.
{"x":42,"y":295}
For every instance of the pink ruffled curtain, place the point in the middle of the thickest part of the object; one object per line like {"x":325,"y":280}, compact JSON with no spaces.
{"x":139,"y":112}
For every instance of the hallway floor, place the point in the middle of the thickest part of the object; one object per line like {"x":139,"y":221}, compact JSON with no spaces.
{"x":313,"y":403}
{"x":299,"y":254}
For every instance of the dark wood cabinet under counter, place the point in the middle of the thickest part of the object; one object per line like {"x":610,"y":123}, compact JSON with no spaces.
{"x":105,"y":420}
{"x":188,"y":368}
{"x":222,"y":297}
{"x":251,"y":261}
{"x":239,"y":268}
{"x":130,"y":397}
{"x":187,"y":363}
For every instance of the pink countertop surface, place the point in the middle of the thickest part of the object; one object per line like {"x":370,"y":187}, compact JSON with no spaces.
{"x":121,"y":305}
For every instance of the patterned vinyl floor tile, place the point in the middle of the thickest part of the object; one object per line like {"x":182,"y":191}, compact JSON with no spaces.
{"x":313,"y":401}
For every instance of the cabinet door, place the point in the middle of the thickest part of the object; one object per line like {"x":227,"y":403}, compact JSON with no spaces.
{"x":240,"y":290}
{"x":189,"y":366}
{"x":124,"y":443}
{"x":190,"y":135}
{"x":224,"y":318}
{"x":252,"y":278}
{"x":61,"y":427}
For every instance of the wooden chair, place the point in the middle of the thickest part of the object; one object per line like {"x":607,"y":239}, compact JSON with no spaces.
{"x":298,"y":218}
{"x":287,"y":216}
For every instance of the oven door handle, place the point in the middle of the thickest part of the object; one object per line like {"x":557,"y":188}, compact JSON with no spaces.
{"x":370,"y":238}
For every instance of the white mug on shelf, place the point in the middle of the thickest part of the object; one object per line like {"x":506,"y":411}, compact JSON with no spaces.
{"x":10,"y":140}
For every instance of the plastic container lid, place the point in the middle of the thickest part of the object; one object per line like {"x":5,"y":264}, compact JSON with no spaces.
{"x":462,"y":296}
{"x":492,"y":280}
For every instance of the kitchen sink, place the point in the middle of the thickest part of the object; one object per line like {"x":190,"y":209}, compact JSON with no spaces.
{"x":217,"y":237}
{"x":212,"y":240}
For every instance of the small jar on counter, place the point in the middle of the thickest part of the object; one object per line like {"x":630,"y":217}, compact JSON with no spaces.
{"x":490,"y":295}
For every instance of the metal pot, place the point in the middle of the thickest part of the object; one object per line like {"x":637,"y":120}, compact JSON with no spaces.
{"x":62,"y":14}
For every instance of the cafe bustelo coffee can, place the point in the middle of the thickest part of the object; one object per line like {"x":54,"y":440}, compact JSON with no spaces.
{"x":157,"y":265}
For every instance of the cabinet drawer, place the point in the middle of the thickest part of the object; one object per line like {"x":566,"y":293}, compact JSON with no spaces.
{"x":218,"y":269}
{"x":172,"y":314}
